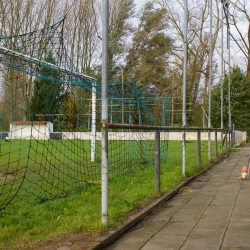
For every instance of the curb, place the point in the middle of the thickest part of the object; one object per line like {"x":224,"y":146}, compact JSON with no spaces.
{"x":106,"y":240}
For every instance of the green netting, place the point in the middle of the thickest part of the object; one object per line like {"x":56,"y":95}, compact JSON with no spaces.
{"x":50,"y":131}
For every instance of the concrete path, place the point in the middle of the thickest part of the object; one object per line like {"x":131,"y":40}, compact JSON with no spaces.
{"x":213,"y":214}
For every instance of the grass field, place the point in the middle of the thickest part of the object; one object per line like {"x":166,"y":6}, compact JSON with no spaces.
{"x":42,"y":170}
{"x":26,"y":225}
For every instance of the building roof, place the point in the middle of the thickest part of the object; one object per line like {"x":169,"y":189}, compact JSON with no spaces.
{"x":30,"y":122}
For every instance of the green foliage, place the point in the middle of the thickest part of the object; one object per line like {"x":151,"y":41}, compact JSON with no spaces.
{"x":146,"y":60}
{"x":48,"y":95}
{"x":240,"y":102}
{"x":119,"y":29}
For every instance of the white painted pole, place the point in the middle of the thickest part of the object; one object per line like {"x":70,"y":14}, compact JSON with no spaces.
{"x":93,"y":131}
{"x":184,"y":92}
{"x":105,"y":69}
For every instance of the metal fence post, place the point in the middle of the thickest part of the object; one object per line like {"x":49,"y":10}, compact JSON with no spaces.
{"x":199,"y":147}
{"x":221,"y":141}
{"x":215,"y":140}
{"x":184,"y":101}
{"x":222,"y":73}
{"x":226,"y":139}
{"x":111,"y":115}
{"x":157,"y":161}
{"x":105,"y":40}
{"x":210,"y":79}
{"x":229,"y":137}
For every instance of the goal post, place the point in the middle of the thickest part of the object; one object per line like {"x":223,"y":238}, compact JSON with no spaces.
{"x":93,"y":130}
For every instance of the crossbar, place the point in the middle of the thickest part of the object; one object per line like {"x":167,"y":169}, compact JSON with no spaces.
{"x":29,"y":59}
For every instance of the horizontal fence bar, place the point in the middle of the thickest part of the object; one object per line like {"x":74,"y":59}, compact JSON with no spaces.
{"x":148,"y":127}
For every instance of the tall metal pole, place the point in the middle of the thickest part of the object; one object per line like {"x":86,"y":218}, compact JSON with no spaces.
{"x":222,"y":61}
{"x":210,"y":82}
{"x":184,"y":91}
{"x":229,"y":83}
{"x":163,"y":112}
{"x":172,"y":120}
{"x":111,"y":115}
{"x":105,"y":32}
{"x":122,"y":99}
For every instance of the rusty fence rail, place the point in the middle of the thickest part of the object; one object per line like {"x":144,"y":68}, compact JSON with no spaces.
{"x":157,"y":141}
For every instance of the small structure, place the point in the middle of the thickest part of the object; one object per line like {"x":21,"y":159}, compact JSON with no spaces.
{"x":39,"y":130}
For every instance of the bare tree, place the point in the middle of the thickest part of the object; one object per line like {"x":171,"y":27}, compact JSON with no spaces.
{"x":239,"y":12}
{"x":81,"y":33}
{"x":198,"y":42}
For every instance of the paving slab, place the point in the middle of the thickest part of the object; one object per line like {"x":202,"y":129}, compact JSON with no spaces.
{"x":234,"y":242}
{"x":202,"y":243}
{"x":142,"y":234}
{"x":214,"y":216}
{"x":161,"y":245}
{"x":204,"y":200}
{"x":126,"y":246}
{"x":166,"y":214}
{"x":235,"y":248}
{"x":220,"y":200}
{"x":186,"y":214}
{"x":178,"y":228}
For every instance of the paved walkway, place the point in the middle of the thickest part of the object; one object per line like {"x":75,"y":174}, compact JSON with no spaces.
{"x":215,"y":215}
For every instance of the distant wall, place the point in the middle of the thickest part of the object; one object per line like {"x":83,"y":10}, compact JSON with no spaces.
{"x":171,"y":136}
{"x":240,"y":137}
{"x":43,"y":132}
{"x":27,"y":130}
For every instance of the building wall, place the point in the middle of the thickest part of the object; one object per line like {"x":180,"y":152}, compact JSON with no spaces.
{"x":42,"y":132}
{"x":27,"y":131}
{"x":171,"y":136}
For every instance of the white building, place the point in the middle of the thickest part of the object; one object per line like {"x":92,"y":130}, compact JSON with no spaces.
{"x":31,"y":130}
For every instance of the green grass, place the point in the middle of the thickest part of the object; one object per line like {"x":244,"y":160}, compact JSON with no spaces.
{"x":42,"y":170}
{"x":24,"y":226}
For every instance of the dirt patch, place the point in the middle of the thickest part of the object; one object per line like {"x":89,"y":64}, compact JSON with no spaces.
{"x":5,"y":177}
{"x":73,"y":242}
